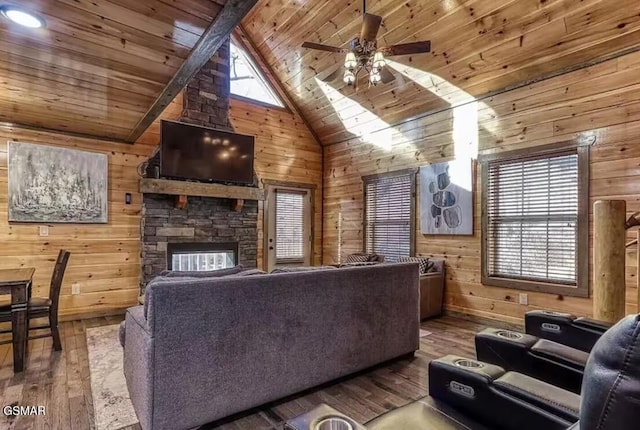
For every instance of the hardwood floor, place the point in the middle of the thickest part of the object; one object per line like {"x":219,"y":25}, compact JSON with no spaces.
{"x":60,"y":381}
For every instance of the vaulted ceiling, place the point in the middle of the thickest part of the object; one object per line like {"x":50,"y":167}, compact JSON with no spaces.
{"x":98,"y":65}
{"x":478,"y":46}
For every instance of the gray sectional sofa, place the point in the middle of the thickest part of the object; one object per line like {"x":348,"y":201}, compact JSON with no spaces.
{"x":202,"y":349}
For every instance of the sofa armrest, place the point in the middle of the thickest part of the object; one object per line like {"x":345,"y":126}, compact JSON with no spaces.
{"x":138,"y":364}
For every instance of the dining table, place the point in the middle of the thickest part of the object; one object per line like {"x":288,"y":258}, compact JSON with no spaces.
{"x":17,"y":282}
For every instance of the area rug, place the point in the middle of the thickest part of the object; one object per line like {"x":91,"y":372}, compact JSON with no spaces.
{"x":111,"y":404}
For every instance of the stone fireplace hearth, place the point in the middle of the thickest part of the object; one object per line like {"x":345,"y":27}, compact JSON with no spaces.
{"x":204,"y":220}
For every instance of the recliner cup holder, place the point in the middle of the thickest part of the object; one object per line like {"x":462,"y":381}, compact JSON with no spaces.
{"x":333,"y":423}
{"x":468,"y":364}
{"x":506,"y":334}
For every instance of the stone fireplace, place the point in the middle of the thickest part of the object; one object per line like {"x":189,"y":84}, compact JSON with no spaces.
{"x":206,"y":222}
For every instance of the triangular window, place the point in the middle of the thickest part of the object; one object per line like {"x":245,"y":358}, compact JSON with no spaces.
{"x":247,"y":80}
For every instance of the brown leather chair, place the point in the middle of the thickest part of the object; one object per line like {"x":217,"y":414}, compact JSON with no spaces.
{"x":44,"y":307}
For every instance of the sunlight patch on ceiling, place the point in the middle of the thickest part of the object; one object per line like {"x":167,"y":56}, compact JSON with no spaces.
{"x":360,"y":121}
{"x":469,"y":115}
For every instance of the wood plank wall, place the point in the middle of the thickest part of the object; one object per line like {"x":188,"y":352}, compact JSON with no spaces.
{"x":285,"y":151}
{"x":105,"y":258}
{"x":602,"y":101}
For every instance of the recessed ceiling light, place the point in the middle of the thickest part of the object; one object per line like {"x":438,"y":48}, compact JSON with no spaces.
{"x":22,"y":16}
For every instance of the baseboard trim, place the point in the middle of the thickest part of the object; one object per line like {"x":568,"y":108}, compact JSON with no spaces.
{"x":485,"y":321}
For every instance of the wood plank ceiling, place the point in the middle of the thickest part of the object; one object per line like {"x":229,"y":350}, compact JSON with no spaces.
{"x":478,"y":46}
{"x":98,"y":65}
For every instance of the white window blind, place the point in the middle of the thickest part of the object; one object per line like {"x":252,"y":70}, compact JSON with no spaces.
{"x":290,"y":236}
{"x":532,"y":218}
{"x":389,"y":215}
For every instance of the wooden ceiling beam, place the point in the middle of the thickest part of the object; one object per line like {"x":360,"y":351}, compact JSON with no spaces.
{"x":243,"y":38}
{"x":210,"y":41}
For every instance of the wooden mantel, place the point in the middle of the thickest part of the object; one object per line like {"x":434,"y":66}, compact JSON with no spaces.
{"x":184,"y":188}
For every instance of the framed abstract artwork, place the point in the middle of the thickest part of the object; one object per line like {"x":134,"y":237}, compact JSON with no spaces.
{"x":48,"y":184}
{"x":446,"y":198}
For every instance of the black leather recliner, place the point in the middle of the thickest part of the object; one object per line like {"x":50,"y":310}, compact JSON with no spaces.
{"x":610,"y":389}
{"x":543,"y":359}
{"x":480,"y":392}
{"x":566,"y":329}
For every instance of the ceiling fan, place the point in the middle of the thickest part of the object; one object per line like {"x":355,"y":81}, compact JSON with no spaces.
{"x":363,"y":53}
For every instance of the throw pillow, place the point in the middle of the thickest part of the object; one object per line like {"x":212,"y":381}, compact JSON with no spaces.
{"x":357,"y":258}
{"x":424,"y":262}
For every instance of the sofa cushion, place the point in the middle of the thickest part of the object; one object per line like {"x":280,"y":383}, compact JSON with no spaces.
{"x":425,"y":264}
{"x":202,"y":274}
{"x":301,"y":269}
{"x":248,"y":272}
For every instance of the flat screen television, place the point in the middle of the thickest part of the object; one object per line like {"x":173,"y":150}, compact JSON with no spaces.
{"x":205,"y":154}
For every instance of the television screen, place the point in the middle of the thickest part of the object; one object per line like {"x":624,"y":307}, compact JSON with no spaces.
{"x":205,"y":154}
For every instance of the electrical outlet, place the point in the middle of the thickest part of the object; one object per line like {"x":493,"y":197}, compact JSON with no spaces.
{"x":75,"y":288}
{"x":523,"y":299}
{"x":44,"y":230}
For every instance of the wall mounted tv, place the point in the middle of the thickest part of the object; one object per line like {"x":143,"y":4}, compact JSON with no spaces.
{"x":205,"y":154}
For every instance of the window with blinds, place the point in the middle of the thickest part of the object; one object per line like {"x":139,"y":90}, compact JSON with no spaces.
{"x":532,"y":221}
{"x":290,"y":231}
{"x":389,"y":214}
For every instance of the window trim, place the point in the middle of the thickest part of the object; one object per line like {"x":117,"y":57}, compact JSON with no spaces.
{"x":412,"y":173}
{"x":582,"y":240}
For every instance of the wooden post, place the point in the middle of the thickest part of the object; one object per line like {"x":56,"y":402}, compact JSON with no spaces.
{"x":609,"y":254}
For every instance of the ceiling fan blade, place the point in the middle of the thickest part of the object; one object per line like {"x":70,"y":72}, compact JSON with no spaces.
{"x":334,"y":75}
{"x":386,"y":76}
{"x":321,"y":47}
{"x":408,"y":48}
{"x":370,"y":26}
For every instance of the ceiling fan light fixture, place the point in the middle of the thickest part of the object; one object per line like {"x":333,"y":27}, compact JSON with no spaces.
{"x":349,"y":78}
{"x":378,"y":60}
{"x":350,"y":61}
{"x":22,"y":16}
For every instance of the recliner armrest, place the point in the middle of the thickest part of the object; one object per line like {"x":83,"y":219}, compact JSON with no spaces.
{"x":593,"y":324}
{"x":579,"y":333}
{"x":469,"y":386}
{"x":546,"y":396}
{"x":561,"y":354}
{"x":548,"y":361}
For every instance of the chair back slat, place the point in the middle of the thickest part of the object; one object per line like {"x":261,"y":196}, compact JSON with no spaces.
{"x":56,"y":278}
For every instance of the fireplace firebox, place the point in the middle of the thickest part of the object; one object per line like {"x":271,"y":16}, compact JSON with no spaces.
{"x":201,"y":256}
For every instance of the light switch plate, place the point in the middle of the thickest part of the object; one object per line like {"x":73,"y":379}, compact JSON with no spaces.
{"x":75,"y":288}
{"x":44,"y":230}
{"x":523,"y":299}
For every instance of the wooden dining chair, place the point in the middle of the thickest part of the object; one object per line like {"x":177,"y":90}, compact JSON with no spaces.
{"x":44,"y":307}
